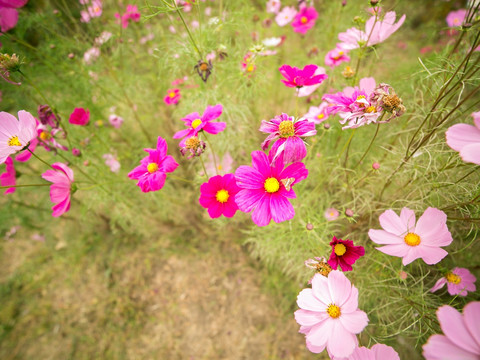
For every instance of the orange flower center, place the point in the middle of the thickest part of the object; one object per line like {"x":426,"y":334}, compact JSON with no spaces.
{"x":303,"y":20}
{"x":45,"y":136}
{"x":334,"y":311}
{"x":172,"y":94}
{"x":340,"y":249}
{"x":412,"y":239}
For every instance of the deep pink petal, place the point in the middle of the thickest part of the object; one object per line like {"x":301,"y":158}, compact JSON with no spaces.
{"x":214,"y":127}
{"x":262,"y":214}
{"x":281,"y":208}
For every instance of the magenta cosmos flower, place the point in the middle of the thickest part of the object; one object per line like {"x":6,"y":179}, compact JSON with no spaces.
{"x":288,"y":133}
{"x":462,"y":334}
{"x":131,"y":13}
{"x":9,"y":14}
{"x":456,"y":18}
{"x":459,"y":281}
{"x":173,"y":96}
{"x":218,"y":196}
{"x":410,"y":241}
{"x":298,"y":78}
{"x":329,"y":315}
{"x":153,"y":169}
{"x":304,"y":19}
{"x":376,"y":352}
{"x":79,"y":116}
{"x":60,"y":190}
{"x":8,"y":177}
{"x":465,"y":139}
{"x":196,"y":123}
{"x":335,"y":57}
{"x":309,"y":89}
{"x":265,"y":189}
{"x":344,"y":254}
{"x":15,"y":135}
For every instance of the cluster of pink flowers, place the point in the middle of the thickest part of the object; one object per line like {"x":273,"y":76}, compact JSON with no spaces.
{"x":93,"y":10}
{"x":131,"y":14}
{"x":302,"y":20}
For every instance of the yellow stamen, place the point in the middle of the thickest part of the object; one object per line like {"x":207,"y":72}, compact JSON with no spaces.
{"x":271,"y":185}
{"x":250,"y":68}
{"x":452,"y":278}
{"x":45,"y":136}
{"x":286,"y":129}
{"x":412,"y":239}
{"x":334,"y":311}
{"x":303,"y":20}
{"x":360,"y":97}
{"x":320,"y":116}
{"x":220,"y":167}
{"x":14,"y":141}
{"x":152,"y":167}
{"x":340,"y":249}
{"x":370,"y":109}
{"x":172,"y":94}
{"x":222,"y":196}
{"x":196,"y":123}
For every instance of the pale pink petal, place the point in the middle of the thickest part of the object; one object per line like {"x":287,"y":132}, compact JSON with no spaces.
{"x":341,"y":343}
{"x":392,"y":223}
{"x":340,"y":287}
{"x":439,"y":284}
{"x":461,"y":135}
{"x":320,"y":333}
{"x":351,"y":304}
{"x":383,"y":237}
{"x":453,"y":326}
{"x":307,"y":301}
{"x":439,"y":347}
{"x":399,"y":250}
{"x":321,"y":290}
{"x":431,"y":255}
{"x":309,"y":318}
{"x":354,"y":322}
{"x":471,"y":317}
{"x":408,"y":217}
{"x":384,"y":352}
{"x":471,"y":153}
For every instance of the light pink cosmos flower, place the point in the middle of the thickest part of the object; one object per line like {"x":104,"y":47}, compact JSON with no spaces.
{"x":329,"y":315}
{"x":376,"y":352}
{"x":266,"y":188}
{"x":103,"y":38}
{"x":60,"y":190}
{"x":462,"y":334}
{"x":309,"y":89}
{"x":335,"y":57}
{"x":459,"y":281}
{"x":15,"y":135}
{"x":196,"y":123}
{"x":46,"y":136}
{"x":115,"y":120}
{"x":465,"y":139}
{"x":112,"y":162}
{"x":410,"y":241}
{"x":224,"y":165}
{"x":456,"y":18}
{"x":152,"y":171}
{"x":304,"y":19}
{"x":172,"y":97}
{"x":9,"y":14}
{"x":93,"y":11}
{"x":331,"y":214}
{"x":317,"y":114}
{"x":273,"y":6}
{"x":91,"y":55}
{"x":218,"y":196}
{"x":8,"y":177}
{"x":79,"y":116}
{"x":287,"y":134}
{"x":285,"y":16}
{"x":375,"y":32}
{"x":298,"y":78}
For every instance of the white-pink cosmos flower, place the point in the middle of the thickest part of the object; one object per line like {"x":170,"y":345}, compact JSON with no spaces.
{"x":329,"y":315}
{"x":273,"y":6}
{"x":465,"y":139}
{"x":285,"y":16}
{"x":462,"y":334}
{"x":15,"y":134}
{"x":376,"y":352}
{"x":410,"y":241}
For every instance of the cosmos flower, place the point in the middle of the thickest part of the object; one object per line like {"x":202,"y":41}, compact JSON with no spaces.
{"x":288,"y":133}
{"x":9,"y":14}
{"x":15,"y":135}
{"x":173,"y":96}
{"x":196,"y":123}
{"x":194,"y":146}
{"x":223,"y":166}
{"x":79,"y":116}
{"x":218,"y":196}
{"x":462,"y":334}
{"x":60,"y":191}
{"x":459,"y":281}
{"x":331,"y":214}
{"x":304,"y":20}
{"x":267,"y":186}
{"x":285,"y":16}
{"x":115,"y":120}
{"x":152,"y":171}
{"x":112,"y":162}
{"x":298,"y":78}
{"x":409,"y":240}
{"x":94,"y":10}
{"x":131,"y":14}
{"x":309,"y":89}
{"x":465,"y":139}
{"x":456,"y":18}
{"x":376,"y":352}
{"x":273,"y":6}
{"x":329,"y":315}
{"x":317,"y":114}
{"x":8,"y":177}
{"x":344,"y":254}
{"x":335,"y":57}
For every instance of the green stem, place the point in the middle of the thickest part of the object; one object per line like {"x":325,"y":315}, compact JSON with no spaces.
{"x":177,"y":9}
{"x":213,"y":152}
{"x":43,"y":161}
{"x":203,"y":165}
{"x":23,"y":185}
{"x":370,"y":145}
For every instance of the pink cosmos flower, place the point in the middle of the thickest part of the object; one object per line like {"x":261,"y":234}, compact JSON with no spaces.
{"x":93,"y":11}
{"x":465,"y":139}
{"x":8,"y":177}
{"x":273,"y":6}
{"x":309,"y":89}
{"x":304,"y":19}
{"x":317,"y":114}
{"x":115,"y":120}
{"x":376,"y":352}
{"x":329,"y":315}
{"x":79,"y":116}
{"x":410,"y":241}
{"x":91,"y":55}
{"x":153,"y":169}
{"x":196,"y":123}
{"x":335,"y":57}
{"x":8,"y":14}
{"x":112,"y":162}
{"x":265,"y":189}
{"x":131,"y":13}
{"x":285,"y":16}
{"x":456,"y":18}
{"x":218,"y":196}
{"x":173,"y":96}
{"x":103,"y":38}
{"x":288,"y":133}
{"x":331,"y":214}
{"x":299,"y":78}
{"x":375,"y":32}
{"x":46,"y":137}
{"x":459,"y":281}
{"x":15,"y":135}
{"x":60,"y":190}
{"x":224,"y":165}
{"x":344,"y":254}
{"x":462,"y":334}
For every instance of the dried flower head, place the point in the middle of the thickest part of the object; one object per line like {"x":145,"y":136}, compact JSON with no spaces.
{"x":320,"y":265}
{"x":194,"y":146}
{"x":9,"y":64}
{"x":348,"y":72}
{"x":385,"y":97}
{"x":204,"y":69}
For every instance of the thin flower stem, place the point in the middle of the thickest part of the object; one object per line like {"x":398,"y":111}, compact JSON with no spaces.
{"x":180,"y":178}
{"x":213,"y":152}
{"x":296,"y":103}
{"x":370,"y":145}
{"x":203,"y":165}
{"x":43,"y":161}
{"x":177,"y":9}
{"x":23,"y":185}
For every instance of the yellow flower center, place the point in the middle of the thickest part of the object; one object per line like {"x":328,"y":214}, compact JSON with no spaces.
{"x":220,"y":167}
{"x":45,"y":136}
{"x":286,"y":129}
{"x":340,"y":249}
{"x":412,"y":239}
{"x":196,"y":123}
{"x":271,"y":185}
{"x":222,"y":196}
{"x":303,"y":20}
{"x":172,"y":94}
{"x":370,"y":109}
{"x":250,"y":68}
{"x":452,"y":278}
{"x":152,"y":167}
{"x":360,"y":97}
{"x":320,"y":116}
{"x":334,"y":311}
{"x":14,"y":141}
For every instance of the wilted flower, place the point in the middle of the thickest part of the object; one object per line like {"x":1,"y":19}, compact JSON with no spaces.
{"x":9,"y":64}
{"x":385,"y":97}
{"x":47,"y":116}
{"x":204,"y":69}
{"x":194,"y":146}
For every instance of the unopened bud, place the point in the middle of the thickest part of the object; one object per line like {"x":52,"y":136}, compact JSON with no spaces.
{"x":349,"y":212}
{"x":309,"y":226}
